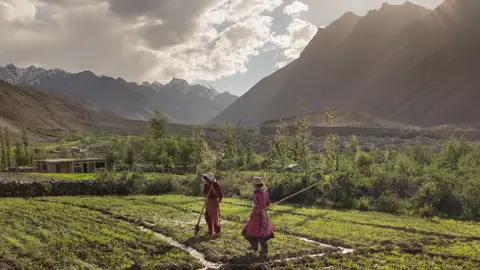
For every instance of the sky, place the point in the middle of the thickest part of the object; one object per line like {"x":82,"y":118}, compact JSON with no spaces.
{"x":228,"y":44}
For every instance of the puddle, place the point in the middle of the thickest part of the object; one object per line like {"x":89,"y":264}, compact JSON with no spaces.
{"x":344,"y":250}
{"x":193,"y":252}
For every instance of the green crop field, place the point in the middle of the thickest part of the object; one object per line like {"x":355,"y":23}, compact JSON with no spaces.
{"x":152,"y":232}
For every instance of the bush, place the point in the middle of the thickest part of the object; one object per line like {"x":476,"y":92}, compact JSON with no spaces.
{"x":363,"y":204}
{"x":363,"y":160}
{"x":388,"y":203}
{"x":341,"y":188}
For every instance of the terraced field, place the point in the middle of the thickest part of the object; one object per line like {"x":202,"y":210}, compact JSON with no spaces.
{"x":152,"y":232}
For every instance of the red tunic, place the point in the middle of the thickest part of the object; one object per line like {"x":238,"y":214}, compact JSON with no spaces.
{"x":259,"y":224}
{"x":213,"y":202}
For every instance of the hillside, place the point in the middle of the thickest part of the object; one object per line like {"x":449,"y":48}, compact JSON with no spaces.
{"x":40,"y":110}
{"x":180,"y":102}
{"x":257,"y":100}
{"x":348,"y":118}
{"x":401,"y":63}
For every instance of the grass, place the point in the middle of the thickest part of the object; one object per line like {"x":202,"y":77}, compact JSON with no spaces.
{"x":42,"y":235}
{"x":380,"y":240}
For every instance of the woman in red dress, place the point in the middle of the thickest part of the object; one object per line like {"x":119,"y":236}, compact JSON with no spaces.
{"x":259,"y":228}
{"x":213,"y":195}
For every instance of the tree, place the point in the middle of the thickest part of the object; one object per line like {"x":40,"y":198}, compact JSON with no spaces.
{"x":26,"y":147}
{"x":332,"y":143}
{"x":303,"y":139}
{"x":200,"y":147}
{"x":8,"y":148}
{"x":3,"y":152}
{"x":116,"y":152}
{"x":353,"y":144}
{"x":130,"y":156}
{"x":329,"y":117}
{"x":228,"y":147}
{"x":153,"y":151}
{"x":281,"y":149}
{"x":185,"y":157}
{"x":19,"y":155}
{"x":158,"y":125}
{"x":40,"y":153}
{"x":249,"y":157}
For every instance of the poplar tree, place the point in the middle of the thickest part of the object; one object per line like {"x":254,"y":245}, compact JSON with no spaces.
{"x":3,"y":152}
{"x":26,"y":147}
{"x":303,"y":139}
{"x":8,"y":148}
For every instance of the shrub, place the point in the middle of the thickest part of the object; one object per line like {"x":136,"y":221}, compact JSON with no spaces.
{"x":363,"y":204}
{"x":363,"y":160}
{"x":388,"y":203}
{"x":341,"y":189}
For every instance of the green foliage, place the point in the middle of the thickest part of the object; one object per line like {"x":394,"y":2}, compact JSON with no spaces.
{"x":40,"y":153}
{"x":27,"y":154}
{"x":7,"y":148}
{"x":363,"y":204}
{"x":332,"y":151}
{"x":130,"y":156}
{"x":388,"y":203}
{"x":329,"y":117}
{"x":303,"y":139}
{"x":228,"y":148}
{"x":116,"y":152}
{"x":200,"y":151}
{"x":3,"y":152}
{"x":281,"y":151}
{"x":353,"y":145}
{"x":158,"y":125}
{"x":19,"y":155}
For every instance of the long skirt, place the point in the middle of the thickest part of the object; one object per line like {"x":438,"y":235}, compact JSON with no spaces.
{"x":259,"y":226}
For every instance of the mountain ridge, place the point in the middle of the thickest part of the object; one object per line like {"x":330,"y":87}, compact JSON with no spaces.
{"x":127,"y":99}
{"x":402,"y":63}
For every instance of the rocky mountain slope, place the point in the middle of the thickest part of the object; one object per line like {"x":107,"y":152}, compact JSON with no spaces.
{"x":403,"y":63}
{"x":27,"y":106}
{"x":180,"y":102}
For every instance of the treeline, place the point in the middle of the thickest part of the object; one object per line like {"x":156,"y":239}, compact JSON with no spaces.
{"x":160,"y":152}
{"x":22,"y":155}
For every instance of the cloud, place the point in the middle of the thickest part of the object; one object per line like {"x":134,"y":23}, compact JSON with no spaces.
{"x":298,"y":35}
{"x":145,"y":39}
{"x":280,"y":64}
{"x":295,"y":8}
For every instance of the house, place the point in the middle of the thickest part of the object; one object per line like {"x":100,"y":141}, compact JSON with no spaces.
{"x":70,"y":165}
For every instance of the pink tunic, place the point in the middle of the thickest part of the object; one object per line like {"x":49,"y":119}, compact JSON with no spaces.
{"x":259,"y":224}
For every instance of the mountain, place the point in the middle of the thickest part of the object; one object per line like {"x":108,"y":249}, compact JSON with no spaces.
{"x":402,"y":63}
{"x":181,"y":102}
{"x":41,"y":110}
{"x":252,"y":104}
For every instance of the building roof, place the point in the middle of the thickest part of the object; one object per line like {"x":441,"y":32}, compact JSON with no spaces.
{"x":65,"y":160}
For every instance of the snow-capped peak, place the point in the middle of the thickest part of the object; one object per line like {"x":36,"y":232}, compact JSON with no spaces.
{"x":31,"y":75}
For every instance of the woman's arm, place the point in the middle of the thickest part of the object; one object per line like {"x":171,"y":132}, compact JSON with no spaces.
{"x":219,"y":192}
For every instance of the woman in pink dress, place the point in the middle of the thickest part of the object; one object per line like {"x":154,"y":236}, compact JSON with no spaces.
{"x":259,"y":228}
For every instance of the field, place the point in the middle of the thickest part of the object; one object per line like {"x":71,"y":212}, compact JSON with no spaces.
{"x":151,"y":232}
